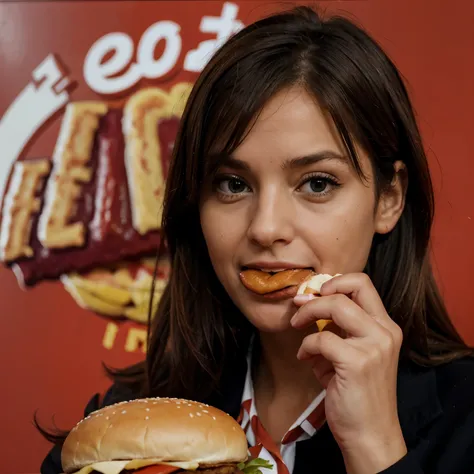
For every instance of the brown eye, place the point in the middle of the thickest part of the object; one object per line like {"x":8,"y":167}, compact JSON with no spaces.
{"x":318,"y":185}
{"x":231,"y":185}
{"x":236,"y":186}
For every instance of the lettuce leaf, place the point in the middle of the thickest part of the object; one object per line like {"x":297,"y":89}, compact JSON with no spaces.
{"x":253,"y":466}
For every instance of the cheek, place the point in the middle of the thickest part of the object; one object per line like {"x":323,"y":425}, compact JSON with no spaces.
{"x":219,"y":235}
{"x":211,"y":232}
{"x":343,"y":240}
{"x":354,"y":241}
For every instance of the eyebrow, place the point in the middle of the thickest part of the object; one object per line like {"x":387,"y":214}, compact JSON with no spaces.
{"x":292,"y":163}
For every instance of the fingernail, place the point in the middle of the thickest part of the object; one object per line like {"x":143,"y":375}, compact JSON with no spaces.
{"x":302,"y":299}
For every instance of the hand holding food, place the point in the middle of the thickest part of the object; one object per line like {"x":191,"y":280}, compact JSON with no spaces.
{"x":361,"y":377}
{"x":312,"y":286}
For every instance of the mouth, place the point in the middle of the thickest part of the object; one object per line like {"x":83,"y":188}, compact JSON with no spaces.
{"x":284,"y":293}
{"x":274,"y":283}
{"x":272,"y":272}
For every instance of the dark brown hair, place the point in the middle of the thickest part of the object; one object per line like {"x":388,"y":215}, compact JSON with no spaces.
{"x":197,"y":331}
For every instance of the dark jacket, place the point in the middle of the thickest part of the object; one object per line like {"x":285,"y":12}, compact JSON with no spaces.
{"x":436,"y":411}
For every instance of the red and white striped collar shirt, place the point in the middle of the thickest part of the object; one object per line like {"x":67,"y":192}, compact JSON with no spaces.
{"x":261,"y":444}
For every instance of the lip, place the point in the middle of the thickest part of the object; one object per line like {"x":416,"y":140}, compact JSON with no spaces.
{"x":286,"y":293}
{"x":283,"y":294}
{"x":273,"y":266}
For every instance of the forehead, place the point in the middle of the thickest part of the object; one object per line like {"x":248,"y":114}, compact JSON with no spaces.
{"x":290,"y":124}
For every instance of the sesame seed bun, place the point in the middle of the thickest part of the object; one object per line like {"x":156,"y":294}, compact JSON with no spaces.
{"x":166,"y":429}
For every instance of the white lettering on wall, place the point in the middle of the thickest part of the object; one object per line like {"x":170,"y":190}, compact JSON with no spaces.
{"x":103,"y":76}
{"x":164,"y":30}
{"x":98,"y":74}
{"x":223,"y":27}
{"x":35,"y":104}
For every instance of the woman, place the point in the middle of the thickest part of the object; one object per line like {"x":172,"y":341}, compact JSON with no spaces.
{"x":299,"y":149}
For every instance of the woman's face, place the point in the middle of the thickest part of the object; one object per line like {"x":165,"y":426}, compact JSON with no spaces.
{"x":289,"y":197}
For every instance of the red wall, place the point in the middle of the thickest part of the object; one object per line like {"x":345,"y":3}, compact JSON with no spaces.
{"x":51,"y":348}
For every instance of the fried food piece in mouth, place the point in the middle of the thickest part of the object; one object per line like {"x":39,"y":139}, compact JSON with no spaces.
{"x":261,"y":282}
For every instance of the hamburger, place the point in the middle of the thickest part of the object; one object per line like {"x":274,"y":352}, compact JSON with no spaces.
{"x":158,"y":436}
{"x":312,"y":286}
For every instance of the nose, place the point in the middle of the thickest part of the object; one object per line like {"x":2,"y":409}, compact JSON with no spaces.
{"x":271,"y":219}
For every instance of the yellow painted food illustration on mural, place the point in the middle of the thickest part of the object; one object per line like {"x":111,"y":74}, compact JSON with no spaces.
{"x":90,"y":216}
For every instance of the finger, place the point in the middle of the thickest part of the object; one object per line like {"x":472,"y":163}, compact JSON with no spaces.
{"x":360,"y":289}
{"x":328,"y":345}
{"x":346,"y":314}
{"x":322,"y":324}
{"x":300,"y":300}
{"x":323,"y":370}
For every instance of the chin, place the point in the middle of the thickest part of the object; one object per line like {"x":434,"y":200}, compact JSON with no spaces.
{"x":270,"y":317}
